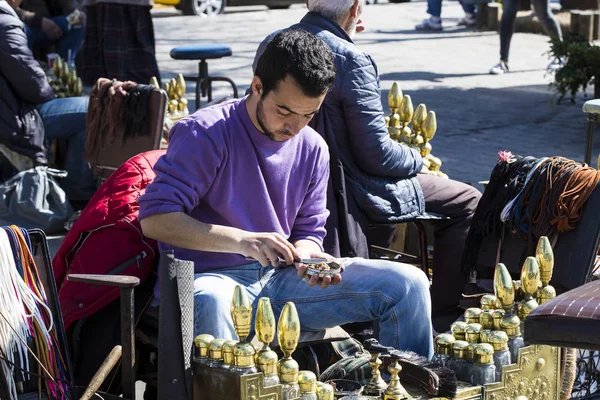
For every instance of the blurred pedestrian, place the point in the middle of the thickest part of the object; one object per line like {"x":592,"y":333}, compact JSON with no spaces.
{"x":119,"y":42}
{"x":434,"y":22}
{"x":57,"y":23}
{"x":507,"y":27}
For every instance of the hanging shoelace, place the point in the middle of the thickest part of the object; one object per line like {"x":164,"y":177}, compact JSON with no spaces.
{"x":27,"y":331}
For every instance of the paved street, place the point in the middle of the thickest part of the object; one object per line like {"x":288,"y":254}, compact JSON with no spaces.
{"x":478,"y":114}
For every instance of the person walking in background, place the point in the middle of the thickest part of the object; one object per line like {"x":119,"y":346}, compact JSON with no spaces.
{"x":434,"y":22}
{"x":53,"y":23}
{"x":119,"y":42}
{"x":507,"y":28}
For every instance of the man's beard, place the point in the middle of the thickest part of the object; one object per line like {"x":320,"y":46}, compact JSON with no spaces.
{"x":351,"y":29}
{"x":260,"y":114}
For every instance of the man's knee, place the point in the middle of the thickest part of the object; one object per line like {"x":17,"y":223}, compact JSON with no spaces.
{"x":472,"y":197}
{"x":214,"y":302}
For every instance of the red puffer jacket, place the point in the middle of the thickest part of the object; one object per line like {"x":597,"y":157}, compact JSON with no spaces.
{"x":107,"y":239}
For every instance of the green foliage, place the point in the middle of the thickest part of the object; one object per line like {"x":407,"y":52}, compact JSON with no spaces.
{"x":581,"y":69}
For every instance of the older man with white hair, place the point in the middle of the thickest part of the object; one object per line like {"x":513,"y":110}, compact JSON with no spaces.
{"x":375,"y":180}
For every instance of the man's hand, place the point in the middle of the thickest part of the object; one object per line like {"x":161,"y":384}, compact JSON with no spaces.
{"x":50,"y":29}
{"x":315,"y":279}
{"x":266,"y":248}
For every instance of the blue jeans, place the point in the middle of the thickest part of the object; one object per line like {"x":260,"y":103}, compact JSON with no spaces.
{"x":395,"y":294}
{"x":434,"y":7}
{"x":65,"y":119}
{"x":71,"y":39}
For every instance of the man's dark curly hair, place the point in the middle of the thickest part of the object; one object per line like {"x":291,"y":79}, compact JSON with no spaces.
{"x":301,"y":55}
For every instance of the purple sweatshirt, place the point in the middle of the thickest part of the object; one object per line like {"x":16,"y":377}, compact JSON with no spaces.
{"x":221,"y":170}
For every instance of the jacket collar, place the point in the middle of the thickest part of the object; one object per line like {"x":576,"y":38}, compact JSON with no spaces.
{"x":316,"y":19}
{"x":5,"y":8}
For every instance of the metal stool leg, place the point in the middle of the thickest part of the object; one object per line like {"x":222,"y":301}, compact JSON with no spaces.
{"x":592,"y":118}
{"x":423,"y":246}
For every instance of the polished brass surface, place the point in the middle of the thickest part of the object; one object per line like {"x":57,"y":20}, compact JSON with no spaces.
{"x":376,"y":385}
{"x":228,"y":352}
{"x":459,"y":349}
{"x":243,"y":355}
{"x":498,"y":340}
{"x":484,"y":353}
{"x":511,"y":324}
{"x":266,"y":358}
{"x":458,"y":330}
{"x":443,"y":343}
{"x":470,"y":352}
{"x":472,"y":333}
{"x":201,"y":343}
{"x":307,"y":382}
{"x":215,"y":350}
{"x":395,"y":98}
{"x":530,"y":280}
{"x":536,"y":375}
{"x":419,"y":117}
{"x":505,"y":291}
{"x":489,"y":302}
{"x":325,"y":391}
{"x":484,"y":336}
{"x":406,"y":110}
{"x":395,"y":390}
{"x":498,"y":315}
{"x":154,"y":82}
{"x":486,"y":319}
{"x":241,"y":312}
{"x":220,"y":384}
{"x":472,"y":315}
{"x":545,"y":258}
{"x":288,"y":333}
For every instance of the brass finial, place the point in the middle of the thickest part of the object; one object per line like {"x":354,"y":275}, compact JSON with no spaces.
{"x":429,"y":126}
{"x":395,"y":390}
{"x":241,"y":314}
{"x":307,"y":382}
{"x":498,"y":315}
{"x":545,"y":258}
{"x":181,"y":87}
{"x":228,"y":353}
{"x":472,"y":315}
{"x":154,"y":82}
{"x":376,"y":385}
{"x":78,"y":87}
{"x":288,"y":333}
{"x":406,"y":112}
{"x":530,"y":279}
{"x":395,"y":98}
{"x":484,"y":353}
{"x":458,"y":330}
{"x":419,"y":117}
{"x":489,"y":302}
{"x":201,"y":343}
{"x":503,"y":287}
{"x":443,"y":343}
{"x":265,"y":331}
{"x":167,"y":89}
{"x":325,"y":391}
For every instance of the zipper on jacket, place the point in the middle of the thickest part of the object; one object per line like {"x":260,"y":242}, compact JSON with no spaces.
{"x":127,"y":263}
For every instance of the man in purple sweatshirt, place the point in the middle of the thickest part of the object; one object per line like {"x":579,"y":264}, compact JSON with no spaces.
{"x":248,"y":179}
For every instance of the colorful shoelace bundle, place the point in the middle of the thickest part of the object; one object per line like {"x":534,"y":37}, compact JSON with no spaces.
{"x":27,"y":330}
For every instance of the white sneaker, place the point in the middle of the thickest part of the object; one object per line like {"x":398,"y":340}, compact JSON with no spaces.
{"x":468,"y":20}
{"x":499,"y":68}
{"x":556,"y":63}
{"x":430,"y":24}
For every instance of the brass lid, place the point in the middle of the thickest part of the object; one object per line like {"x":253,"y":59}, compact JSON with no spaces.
{"x":484,"y":353}
{"x":443,"y":343}
{"x":489,"y":302}
{"x":499,"y":340}
{"x":470,"y":353}
{"x":243,"y":355}
{"x":472,"y":315}
{"x":215,"y":349}
{"x":546,"y":293}
{"x":484,"y":335}
{"x":472,"y":333}
{"x":498,"y":315}
{"x":486,"y":319}
{"x":459,"y":349}
{"x":287,"y":369}
{"x":325,"y":391}
{"x":267,"y":362}
{"x":458,"y":330}
{"x":228,"y":351}
{"x":511,"y":324}
{"x":307,"y":381}
{"x":525,"y":308}
{"x":201,"y":342}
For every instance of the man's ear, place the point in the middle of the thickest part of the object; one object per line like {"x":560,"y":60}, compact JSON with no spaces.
{"x":354,"y":8}
{"x":256,"y":86}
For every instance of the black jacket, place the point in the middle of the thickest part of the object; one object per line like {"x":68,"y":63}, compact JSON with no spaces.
{"x":23,"y":85}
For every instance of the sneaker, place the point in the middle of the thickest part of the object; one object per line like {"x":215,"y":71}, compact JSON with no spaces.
{"x":556,"y":63}
{"x":430,"y":24}
{"x":499,"y":68}
{"x":468,"y":20}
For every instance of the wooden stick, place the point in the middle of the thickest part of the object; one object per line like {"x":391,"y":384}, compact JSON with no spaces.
{"x":108,"y":364}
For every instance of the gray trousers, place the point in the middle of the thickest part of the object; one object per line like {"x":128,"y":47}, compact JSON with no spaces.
{"x":509,"y":15}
